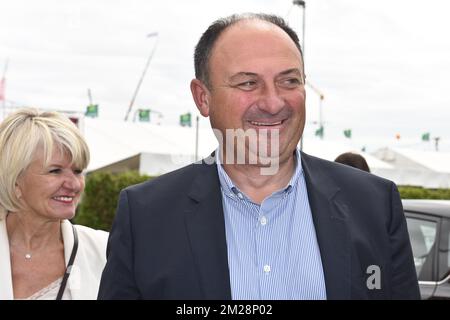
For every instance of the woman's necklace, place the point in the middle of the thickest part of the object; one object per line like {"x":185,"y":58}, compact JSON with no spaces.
{"x":28,"y":255}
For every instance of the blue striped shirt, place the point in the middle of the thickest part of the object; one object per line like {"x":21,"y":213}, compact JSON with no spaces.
{"x":272,"y":248}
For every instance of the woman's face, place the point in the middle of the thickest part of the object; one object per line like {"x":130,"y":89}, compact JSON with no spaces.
{"x":51,"y":191}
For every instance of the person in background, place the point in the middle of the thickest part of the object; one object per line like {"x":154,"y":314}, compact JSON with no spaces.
{"x":42,"y":255}
{"x":353,"y":160}
{"x":253,"y":223}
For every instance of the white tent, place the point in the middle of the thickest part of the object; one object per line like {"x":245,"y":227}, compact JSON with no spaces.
{"x":159,"y":149}
{"x":430,"y":169}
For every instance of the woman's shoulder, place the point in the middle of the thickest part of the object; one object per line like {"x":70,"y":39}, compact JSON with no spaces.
{"x":93,"y":236}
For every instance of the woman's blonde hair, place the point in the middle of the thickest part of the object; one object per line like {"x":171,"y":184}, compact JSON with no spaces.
{"x":21,"y":135}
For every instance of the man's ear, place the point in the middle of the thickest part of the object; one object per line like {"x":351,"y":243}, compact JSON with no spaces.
{"x":200,"y":93}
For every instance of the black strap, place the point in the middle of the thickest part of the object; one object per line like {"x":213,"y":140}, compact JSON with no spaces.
{"x":62,"y":287}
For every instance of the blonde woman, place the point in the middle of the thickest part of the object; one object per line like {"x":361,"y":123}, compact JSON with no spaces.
{"x":42,"y":255}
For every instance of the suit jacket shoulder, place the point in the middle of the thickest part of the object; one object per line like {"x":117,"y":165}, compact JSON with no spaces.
{"x":168,"y":239}
{"x":166,"y":194}
{"x":360,"y":225}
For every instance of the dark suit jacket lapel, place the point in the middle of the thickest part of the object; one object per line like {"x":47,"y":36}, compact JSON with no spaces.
{"x":206,"y":230}
{"x":329,"y":216}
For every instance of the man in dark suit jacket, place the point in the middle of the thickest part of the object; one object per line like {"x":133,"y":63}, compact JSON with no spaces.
{"x":174,"y":237}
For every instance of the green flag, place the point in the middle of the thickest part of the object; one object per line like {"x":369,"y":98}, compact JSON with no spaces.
{"x":144,"y":115}
{"x":348,"y":133}
{"x":92,"y":111}
{"x":426,"y":136}
{"x":319,"y":132}
{"x":185,"y":120}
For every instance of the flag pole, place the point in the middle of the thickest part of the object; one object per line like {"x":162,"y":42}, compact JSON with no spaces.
{"x":90,"y":96}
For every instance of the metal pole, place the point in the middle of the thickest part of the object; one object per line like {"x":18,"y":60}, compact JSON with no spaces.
{"x":154,"y":34}
{"x":303,"y":35}
{"x":196,"y":138}
{"x":302,"y":4}
{"x":321,"y":120}
{"x":90,"y":96}
{"x":436,"y":143}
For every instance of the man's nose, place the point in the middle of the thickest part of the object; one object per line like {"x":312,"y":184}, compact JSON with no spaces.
{"x":271,"y":100}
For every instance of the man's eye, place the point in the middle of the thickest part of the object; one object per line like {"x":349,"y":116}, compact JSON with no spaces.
{"x":291,"y":82}
{"x":246,"y":85}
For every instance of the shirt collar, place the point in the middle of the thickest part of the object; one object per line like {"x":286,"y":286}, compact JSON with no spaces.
{"x":225,"y":181}
{"x":298,"y":172}
{"x":230,"y":188}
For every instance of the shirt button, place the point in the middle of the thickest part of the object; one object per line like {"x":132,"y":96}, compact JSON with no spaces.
{"x":263,"y":220}
{"x":266,"y":268}
{"x":240,"y":196}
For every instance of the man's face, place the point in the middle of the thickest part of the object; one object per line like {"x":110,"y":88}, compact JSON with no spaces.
{"x":256,"y":82}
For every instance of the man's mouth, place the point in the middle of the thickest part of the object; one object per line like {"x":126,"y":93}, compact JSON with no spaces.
{"x":266,"y":123}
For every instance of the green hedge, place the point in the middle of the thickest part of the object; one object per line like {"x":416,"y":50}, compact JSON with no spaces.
{"x":422,"y":193}
{"x":99,"y":202}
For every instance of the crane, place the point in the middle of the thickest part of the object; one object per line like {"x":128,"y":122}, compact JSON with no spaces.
{"x":153,"y":34}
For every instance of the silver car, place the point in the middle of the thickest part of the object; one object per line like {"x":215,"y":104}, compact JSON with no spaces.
{"x":429,"y":231}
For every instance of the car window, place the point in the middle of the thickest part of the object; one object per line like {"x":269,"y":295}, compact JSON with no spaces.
{"x":444,"y":252}
{"x":422,"y":234}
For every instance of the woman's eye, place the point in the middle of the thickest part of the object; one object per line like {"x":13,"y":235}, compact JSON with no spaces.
{"x":78,"y":171}
{"x":55,"y":171}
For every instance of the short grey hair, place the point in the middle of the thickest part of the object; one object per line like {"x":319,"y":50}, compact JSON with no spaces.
{"x":24,"y":132}
{"x":206,"y":43}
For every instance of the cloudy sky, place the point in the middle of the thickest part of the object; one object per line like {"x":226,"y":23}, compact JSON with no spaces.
{"x":382,"y":65}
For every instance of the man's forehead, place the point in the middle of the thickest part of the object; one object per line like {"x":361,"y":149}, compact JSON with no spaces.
{"x":247,"y":27}
{"x":251,"y":35}
{"x":253,"y":46}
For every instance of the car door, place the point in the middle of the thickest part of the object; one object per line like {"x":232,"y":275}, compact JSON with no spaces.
{"x":443,"y":257}
{"x":424,"y":232}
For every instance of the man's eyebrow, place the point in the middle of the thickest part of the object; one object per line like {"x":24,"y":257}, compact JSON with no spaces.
{"x":289,"y":71}
{"x":243,"y":74}
{"x":238,"y":75}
